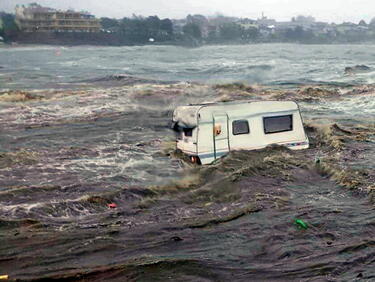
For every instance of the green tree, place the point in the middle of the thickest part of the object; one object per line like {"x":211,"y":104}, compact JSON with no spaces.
{"x":153,"y":27}
{"x":166,"y":25}
{"x":1,"y":27}
{"x":231,"y":31}
{"x":298,"y":34}
{"x":251,"y":33}
{"x":212,"y":36}
{"x":133,"y":30}
{"x":140,"y":30}
{"x":192,"y":30}
{"x":8,"y":25}
{"x":108,"y":23}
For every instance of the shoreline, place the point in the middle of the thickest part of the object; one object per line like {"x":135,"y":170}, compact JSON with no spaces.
{"x":50,"y":40}
{"x":18,"y":44}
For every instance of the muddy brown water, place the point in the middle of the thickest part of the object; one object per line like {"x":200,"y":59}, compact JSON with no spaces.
{"x":89,"y":128}
{"x":65,"y":159}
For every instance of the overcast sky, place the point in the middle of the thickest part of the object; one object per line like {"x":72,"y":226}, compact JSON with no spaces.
{"x":324,"y":10}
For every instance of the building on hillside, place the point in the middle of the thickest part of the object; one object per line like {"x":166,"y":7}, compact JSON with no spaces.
{"x":35,"y":18}
{"x":264,"y":21}
{"x":305,"y":21}
{"x":280,"y":26}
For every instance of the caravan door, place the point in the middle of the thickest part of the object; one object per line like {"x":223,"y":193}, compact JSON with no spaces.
{"x":220,"y":135}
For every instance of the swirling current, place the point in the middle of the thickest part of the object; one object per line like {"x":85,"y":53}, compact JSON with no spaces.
{"x":91,"y":187}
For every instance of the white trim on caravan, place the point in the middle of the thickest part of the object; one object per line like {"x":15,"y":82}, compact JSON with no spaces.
{"x":207,"y":132}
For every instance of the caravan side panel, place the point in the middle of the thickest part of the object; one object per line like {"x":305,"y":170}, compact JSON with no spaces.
{"x":295,"y":136}
{"x":261,"y":132}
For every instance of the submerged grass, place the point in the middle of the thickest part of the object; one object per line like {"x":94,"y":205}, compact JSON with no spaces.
{"x":216,"y":183}
{"x":236,"y":214}
{"x":221,"y":192}
{"x":334,"y":136}
{"x":273,"y":161}
{"x":23,"y":157}
{"x":333,"y":140}
{"x":235,"y":91}
{"x":187,"y":182}
{"x":372,"y":193}
{"x":344,"y":177}
{"x":27,"y":222}
{"x":319,"y":92}
{"x":18,"y":96}
{"x":235,"y":86}
{"x":141,"y":269}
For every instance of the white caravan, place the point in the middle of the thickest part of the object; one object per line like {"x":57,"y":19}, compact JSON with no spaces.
{"x":207,"y":132}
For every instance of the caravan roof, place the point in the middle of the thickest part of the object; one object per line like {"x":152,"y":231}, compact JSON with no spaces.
{"x":187,"y":116}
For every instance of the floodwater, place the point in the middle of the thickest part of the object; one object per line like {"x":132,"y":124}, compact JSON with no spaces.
{"x":85,"y":127}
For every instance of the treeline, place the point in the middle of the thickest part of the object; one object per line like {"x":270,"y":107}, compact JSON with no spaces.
{"x":139,"y":30}
{"x":197,"y":30}
{"x":152,"y":29}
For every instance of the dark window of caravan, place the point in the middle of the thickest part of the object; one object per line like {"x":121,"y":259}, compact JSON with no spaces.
{"x":188,"y":132}
{"x":240,"y":127}
{"x":278,"y":124}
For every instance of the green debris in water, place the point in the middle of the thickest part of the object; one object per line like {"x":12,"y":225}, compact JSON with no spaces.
{"x":301,"y":224}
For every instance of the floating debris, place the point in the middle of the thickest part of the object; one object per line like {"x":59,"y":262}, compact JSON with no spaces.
{"x":301,"y":224}
{"x":18,"y":96}
{"x":21,"y":157}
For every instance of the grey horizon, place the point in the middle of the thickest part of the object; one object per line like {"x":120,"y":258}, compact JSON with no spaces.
{"x":337,"y":11}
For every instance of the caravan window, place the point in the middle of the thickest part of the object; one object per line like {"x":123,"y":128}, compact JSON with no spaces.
{"x":278,"y":124}
{"x":188,"y":132}
{"x":240,"y":127}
